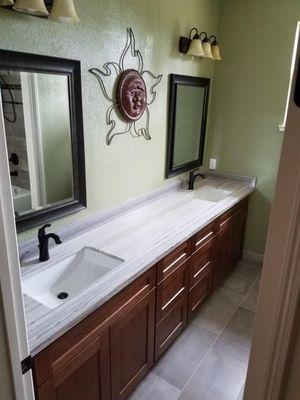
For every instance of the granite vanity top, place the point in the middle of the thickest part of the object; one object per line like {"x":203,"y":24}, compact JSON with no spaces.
{"x":141,"y":236}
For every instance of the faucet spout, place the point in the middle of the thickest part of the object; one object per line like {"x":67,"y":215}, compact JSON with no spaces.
{"x":192,"y":179}
{"x":44,"y":242}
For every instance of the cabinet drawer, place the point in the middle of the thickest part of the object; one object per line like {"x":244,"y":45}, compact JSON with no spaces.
{"x":201,"y":262}
{"x":199,"y":293}
{"x":203,"y":236}
{"x":171,"y":289}
{"x":59,"y":353}
{"x":166,"y":266}
{"x":170,"y":327}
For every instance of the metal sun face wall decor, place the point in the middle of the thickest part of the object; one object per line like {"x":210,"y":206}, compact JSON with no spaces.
{"x":132,"y":95}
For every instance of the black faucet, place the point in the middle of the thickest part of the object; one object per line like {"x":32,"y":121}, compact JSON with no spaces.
{"x":193,"y":177}
{"x":44,"y":242}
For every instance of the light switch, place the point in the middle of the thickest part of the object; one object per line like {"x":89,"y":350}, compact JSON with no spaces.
{"x":213,"y":163}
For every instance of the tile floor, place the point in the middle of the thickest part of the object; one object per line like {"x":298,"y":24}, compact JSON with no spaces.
{"x":209,"y":360}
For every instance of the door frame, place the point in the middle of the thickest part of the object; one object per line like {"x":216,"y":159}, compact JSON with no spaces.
{"x":276,"y":317}
{"x":10,"y":279}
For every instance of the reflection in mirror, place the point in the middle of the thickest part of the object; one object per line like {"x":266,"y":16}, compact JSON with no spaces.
{"x":187,"y":123}
{"x":41,"y":111}
{"x":37,"y":124}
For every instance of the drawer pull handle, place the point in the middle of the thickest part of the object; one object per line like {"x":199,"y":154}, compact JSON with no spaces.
{"x":173,"y":298}
{"x":204,"y":239}
{"x":202,"y":269}
{"x":225,"y":222}
{"x":175,"y":262}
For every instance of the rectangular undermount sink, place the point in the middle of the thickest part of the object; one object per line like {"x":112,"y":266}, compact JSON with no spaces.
{"x":68,"y":277}
{"x":209,"y":193}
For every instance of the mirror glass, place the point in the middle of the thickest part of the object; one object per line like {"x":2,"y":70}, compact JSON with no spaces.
{"x":38,"y":134}
{"x":188,"y":122}
{"x":188,"y":102}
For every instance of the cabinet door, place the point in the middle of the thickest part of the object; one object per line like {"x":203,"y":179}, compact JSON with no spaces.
{"x":132,"y":347}
{"x":85,"y":377}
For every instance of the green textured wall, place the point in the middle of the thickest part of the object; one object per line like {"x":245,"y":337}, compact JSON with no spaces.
{"x":129,"y":166}
{"x":248,"y":102}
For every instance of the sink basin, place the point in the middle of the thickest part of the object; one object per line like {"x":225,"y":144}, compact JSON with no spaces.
{"x":209,"y":193}
{"x":62,"y":281}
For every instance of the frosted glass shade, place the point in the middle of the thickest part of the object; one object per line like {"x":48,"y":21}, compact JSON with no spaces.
{"x":215,"y":50}
{"x":5,"y":3}
{"x":195,"y":48}
{"x":64,"y":11}
{"x":34,"y":7}
{"x":207,"y":49}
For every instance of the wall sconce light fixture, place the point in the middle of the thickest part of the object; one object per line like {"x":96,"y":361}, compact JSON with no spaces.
{"x":215,"y":50}
{"x":64,"y":11}
{"x":6,"y":3}
{"x":34,"y":7}
{"x":198,"y":47}
{"x":195,"y":45}
{"x":61,"y":11}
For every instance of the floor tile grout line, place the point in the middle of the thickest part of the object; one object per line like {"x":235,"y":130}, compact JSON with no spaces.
{"x":245,"y":297}
{"x":225,"y":326}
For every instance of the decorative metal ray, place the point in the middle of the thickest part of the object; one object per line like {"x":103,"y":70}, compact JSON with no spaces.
{"x":132,"y":97}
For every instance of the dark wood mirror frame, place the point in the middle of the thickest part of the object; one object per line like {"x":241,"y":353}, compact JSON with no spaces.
{"x":71,"y":68}
{"x":176,"y":80}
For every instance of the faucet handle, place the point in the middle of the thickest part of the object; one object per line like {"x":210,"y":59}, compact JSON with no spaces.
{"x":42,"y":230}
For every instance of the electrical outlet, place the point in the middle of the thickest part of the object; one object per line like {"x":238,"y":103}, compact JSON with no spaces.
{"x":213,"y":163}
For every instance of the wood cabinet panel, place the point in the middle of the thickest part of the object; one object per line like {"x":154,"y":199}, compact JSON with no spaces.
{"x":168,"y":264}
{"x":199,"y":293}
{"x":86,"y":376}
{"x":170,"y":327}
{"x":222,"y":247}
{"x":238,"y":233}
{"x":171,"y":289}
{"x":132,"y":347}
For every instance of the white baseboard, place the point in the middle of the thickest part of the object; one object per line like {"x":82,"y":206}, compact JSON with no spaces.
{"x":253,"y":258}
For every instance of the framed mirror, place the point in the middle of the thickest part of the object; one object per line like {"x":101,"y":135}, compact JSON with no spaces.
{"x":42,"y":112}
{"x":188,"y":104}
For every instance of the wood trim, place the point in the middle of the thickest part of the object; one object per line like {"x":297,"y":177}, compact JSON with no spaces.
{"x":10,"y":279}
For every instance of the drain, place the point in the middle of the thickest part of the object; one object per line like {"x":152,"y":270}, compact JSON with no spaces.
{"x":63,"y":295}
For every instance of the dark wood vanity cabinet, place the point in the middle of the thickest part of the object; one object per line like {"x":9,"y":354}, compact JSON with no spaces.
{"x":108,"y":353}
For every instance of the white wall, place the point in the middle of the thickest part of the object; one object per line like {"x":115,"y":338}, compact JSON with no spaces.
{"x":5,"y":381}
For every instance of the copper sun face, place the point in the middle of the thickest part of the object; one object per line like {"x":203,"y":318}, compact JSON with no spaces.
{"x":132,"y":95}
